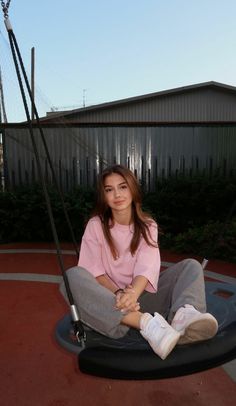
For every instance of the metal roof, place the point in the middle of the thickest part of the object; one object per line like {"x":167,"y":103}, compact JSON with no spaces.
{"x":142,"y":98}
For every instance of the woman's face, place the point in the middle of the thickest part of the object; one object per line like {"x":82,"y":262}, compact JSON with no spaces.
{"x":117,"y":193}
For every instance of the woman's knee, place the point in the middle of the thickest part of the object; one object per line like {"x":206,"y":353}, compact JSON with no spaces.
{"x":76,"y":275}
{"x":193,"y":264}
{"x":192,"y":267}
{"x":78,"y":278}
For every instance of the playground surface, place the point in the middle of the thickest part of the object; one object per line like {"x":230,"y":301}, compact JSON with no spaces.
{"x":35,"y":370}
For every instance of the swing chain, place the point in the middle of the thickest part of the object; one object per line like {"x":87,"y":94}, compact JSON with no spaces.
{"x":5,"y":7}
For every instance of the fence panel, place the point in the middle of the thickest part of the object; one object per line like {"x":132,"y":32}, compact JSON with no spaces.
{"x":80,"y":153}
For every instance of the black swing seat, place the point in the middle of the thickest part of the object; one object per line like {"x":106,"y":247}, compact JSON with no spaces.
{"x":130,"y":357}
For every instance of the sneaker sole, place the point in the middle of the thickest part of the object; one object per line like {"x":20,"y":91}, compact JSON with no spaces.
{"x":199,"y":330}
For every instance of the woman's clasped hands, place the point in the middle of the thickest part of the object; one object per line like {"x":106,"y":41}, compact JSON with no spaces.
{"x":126,"y":300}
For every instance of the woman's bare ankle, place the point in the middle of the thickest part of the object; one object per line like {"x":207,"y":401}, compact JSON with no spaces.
{"x":132,"y":319}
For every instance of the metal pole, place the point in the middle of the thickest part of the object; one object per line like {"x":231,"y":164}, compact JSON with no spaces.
{"x":32,"y":80}
{"x":2,"y":102}
{"x":5,"y":178}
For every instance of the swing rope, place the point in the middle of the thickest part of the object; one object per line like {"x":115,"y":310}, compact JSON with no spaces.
{"x":77,"y":324}
{"x":14,"y":47}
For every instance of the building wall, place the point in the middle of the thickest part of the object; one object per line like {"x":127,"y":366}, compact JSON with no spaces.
{"x":78,"y":153}
{"x":182,"y":130}
{"x":209,"y":104}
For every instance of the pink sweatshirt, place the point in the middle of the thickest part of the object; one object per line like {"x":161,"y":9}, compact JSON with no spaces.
{"x":96,"y":256}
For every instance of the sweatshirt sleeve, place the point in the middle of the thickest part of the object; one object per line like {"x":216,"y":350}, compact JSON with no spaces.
{"x":91,"y":251}
{"x":148,"y":261}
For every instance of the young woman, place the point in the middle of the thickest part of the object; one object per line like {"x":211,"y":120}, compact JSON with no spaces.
{"x":118,"y":285}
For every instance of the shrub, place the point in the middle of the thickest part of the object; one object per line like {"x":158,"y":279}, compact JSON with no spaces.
{"x":183,"y":203}
{"x":212,"y":240}
{"x":191,"y":213}
{"x":24,"y":216}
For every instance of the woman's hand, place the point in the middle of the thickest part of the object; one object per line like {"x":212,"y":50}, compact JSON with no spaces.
{"x":126,"y":300}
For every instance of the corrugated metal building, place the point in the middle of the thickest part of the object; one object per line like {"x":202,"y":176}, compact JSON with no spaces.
{"x":181,"y":130}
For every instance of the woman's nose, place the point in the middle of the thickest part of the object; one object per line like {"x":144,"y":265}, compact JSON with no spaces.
{"x":117,"y":192}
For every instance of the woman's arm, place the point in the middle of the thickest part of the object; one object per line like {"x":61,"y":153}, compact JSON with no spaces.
{"x":105,"y":281}
{"x":139,"y":284}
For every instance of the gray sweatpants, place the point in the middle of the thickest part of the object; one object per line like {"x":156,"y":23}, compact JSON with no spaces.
{"x":182,"y":283}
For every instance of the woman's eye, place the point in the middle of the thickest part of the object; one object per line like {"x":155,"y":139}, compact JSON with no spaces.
{"x":124,"y":187}
{"x":107,"y":190}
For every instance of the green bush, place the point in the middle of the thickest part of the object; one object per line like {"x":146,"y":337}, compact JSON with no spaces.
{"x":212,"y":240}
{"x":183,"y":203}
{"x":24,"y":216}
{"x":191,"y":213}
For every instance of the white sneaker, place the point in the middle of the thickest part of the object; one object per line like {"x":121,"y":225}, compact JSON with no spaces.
{"x":160,"y":335}
{"x":194,"y":326}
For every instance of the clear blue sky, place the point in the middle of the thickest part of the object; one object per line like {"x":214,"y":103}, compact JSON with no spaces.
{"x":117,"y":48}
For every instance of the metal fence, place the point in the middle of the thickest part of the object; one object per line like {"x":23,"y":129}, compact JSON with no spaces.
{"x":80,"y":153}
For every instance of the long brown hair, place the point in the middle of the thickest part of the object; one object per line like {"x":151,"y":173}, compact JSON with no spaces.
{"x":140,"y":219}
